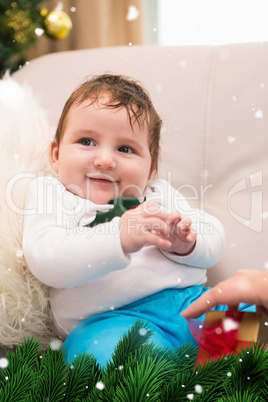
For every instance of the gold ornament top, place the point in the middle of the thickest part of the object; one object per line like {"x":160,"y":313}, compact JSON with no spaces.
{"x":57,"y":24}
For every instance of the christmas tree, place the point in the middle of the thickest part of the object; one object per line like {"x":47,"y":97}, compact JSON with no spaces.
{"x":18,"y":23}
{"x":21,"y":23}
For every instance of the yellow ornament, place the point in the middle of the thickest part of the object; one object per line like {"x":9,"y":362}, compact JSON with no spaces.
{"x":57,"y":24}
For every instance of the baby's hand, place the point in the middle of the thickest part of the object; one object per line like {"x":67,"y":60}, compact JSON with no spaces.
{"x":145,"y":225}
{"x":182,"y":234}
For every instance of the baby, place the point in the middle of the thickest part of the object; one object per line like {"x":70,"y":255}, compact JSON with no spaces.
{"x":113,"y":243}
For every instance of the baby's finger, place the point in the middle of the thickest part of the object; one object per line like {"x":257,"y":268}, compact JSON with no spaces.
{"x":174,"y":217}
{"x":191,"y":236}
{"x":184,"y":226}
{"x":157,"y":226}
{"x":153,"y":209}
{"x":157,"y":240}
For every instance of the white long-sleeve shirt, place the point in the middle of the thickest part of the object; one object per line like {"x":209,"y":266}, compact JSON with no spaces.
{"x":86,"y":268}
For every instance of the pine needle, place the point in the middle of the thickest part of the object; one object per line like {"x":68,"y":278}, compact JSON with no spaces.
{"x":53,"y":376}
{"x":83,"y":374}
{"x":138,"y":334}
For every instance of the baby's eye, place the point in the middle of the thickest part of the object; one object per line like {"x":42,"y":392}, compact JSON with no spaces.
{"x":87,"y":142}
{"x":125,"y":149}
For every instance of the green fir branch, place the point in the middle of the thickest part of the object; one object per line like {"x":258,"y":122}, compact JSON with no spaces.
{"x":242,"y":396}
{"x":53,"y":376}
{"x":137,"y":335}
{"x":18,"y":386}
{"x":249,"y":372}
{"x":144,"y":381}
{"x":138,"y":371}
{"x":83,"y":374}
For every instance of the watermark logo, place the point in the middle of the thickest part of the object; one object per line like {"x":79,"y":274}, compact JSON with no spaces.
{"x":254,"y":222}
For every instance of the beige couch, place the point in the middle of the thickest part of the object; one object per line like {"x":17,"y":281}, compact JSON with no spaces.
{"x":214,"y":104}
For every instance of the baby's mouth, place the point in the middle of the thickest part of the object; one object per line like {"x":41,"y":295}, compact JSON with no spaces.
{"x":102,"y":180}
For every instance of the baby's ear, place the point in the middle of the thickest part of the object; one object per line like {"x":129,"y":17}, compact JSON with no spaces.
{"x":54,"y":156}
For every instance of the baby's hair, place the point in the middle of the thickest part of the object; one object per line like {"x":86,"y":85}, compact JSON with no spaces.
{"x":121,"y":91}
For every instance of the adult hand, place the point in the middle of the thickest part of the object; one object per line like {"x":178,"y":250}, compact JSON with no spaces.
{"x":246,"y":286}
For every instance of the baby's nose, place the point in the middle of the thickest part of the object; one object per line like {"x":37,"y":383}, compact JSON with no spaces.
{"x":105,"y":160}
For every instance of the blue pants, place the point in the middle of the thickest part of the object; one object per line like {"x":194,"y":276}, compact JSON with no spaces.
{"x":99,"y":335}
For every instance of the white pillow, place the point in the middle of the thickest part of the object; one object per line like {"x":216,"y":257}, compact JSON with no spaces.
{"x":24,"y":141}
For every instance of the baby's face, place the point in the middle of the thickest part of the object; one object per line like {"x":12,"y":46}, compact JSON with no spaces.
{"x":101,"y":157}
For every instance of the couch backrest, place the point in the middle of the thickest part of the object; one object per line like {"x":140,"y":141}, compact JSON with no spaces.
{"x":214,"y":104}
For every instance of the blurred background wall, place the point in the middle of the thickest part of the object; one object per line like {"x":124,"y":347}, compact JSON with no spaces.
{"x":96,"y":23}
{"x":101,"y":23}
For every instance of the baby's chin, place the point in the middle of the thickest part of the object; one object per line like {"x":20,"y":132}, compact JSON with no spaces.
{"x":102,"y":197}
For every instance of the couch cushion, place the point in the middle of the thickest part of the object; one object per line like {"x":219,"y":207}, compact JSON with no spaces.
{"x":214,"y":104}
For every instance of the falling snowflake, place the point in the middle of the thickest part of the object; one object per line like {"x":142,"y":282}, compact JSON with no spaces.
{"x":205,"y":174}
{"x":229,"y":374}
{"x":19,"y":253}
{"x":190,"y":396}
{"x":55,"y":344}
{"x":142,"y":331}
{"x":159,"y":88}
{"x":39,"y":31}
{"x":198,"y":388}
{"x":259,"y":114}
{"x":229,"y":324}
{"x":133,"y":13}
{"x":3,"y":363}
{"x":183,"y":64}
{"x":234,"y":98}
{"x":231,"y":139}
{"x":100,"y":385}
